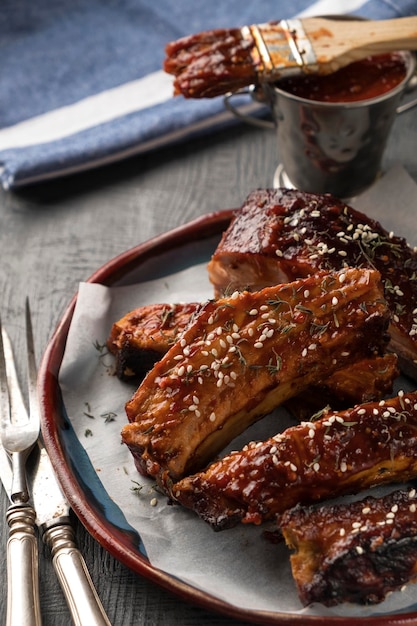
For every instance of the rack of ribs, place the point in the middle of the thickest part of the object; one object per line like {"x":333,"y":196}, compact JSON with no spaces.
{"x":280,"y":235}
{"x":353,"y":552}
{"x":243,"y":356}
{"x":338,"y":454}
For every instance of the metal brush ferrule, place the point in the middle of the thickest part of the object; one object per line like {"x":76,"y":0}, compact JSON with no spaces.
{"x":281,"y":48}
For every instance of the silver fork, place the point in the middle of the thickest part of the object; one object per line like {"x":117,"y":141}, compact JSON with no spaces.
{"x":19,"y":432}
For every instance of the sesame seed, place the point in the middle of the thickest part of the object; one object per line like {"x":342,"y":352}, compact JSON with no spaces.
{"x":212,"y":417}
{"x":359,"y":549}
{"x":258,"y":344}
{"x":366,"y":510}
{"x":153,"y":502}
{"x":343,"y":466}
{"x":181,"y":371}
{"x":253,"y":312}
{"x":342,"y":532}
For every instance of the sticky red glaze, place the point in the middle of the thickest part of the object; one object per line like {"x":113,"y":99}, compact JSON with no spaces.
{"x":361,"y":80}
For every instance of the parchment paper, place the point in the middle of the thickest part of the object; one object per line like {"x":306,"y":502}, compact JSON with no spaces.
{"x":239,"y":566}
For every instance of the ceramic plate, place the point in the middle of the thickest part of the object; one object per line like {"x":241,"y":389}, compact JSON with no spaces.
{"x":85,"y":492}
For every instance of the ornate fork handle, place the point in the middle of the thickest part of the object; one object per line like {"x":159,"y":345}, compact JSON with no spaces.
{"x":22,"y":562}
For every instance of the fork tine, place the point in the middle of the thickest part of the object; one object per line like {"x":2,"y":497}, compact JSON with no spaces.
{"x":4,"y":389}
{"x":16,"y":411}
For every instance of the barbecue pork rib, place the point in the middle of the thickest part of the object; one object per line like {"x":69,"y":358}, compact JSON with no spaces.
{"x":280,"y":235}
{"x":243,"y":356}
{"x":364,"y":381}
{"x":353,"y":552}
{"x":140,"y":338}
{"x":143,"y":336}
{"x":341,"y":453}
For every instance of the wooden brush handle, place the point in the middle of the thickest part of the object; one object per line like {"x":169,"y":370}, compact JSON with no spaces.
{"x":339,"y":42}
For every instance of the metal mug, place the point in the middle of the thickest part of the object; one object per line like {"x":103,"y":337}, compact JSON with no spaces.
{"x":326,"y":146}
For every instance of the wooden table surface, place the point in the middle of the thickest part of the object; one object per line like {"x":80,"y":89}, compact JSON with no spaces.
{"x":58,"y":233}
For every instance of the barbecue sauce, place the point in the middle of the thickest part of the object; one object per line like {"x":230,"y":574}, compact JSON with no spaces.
{"x":361,"y":80}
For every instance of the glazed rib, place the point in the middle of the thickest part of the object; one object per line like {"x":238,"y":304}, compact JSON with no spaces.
{"x":280,"y":235}
{"x":143,"y":336}
{"x":340,"y":453}
{"x":242,"y":357}
{"x":364,"y":381}
{"x":353,"y":552}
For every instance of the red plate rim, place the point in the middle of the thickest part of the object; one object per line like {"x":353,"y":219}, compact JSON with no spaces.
{"x":112,"y":539}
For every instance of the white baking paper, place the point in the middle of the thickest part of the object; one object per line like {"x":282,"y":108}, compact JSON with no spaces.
{"x":238,"y":566}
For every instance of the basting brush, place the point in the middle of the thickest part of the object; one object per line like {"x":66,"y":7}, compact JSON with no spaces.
{"x":216,"y":62}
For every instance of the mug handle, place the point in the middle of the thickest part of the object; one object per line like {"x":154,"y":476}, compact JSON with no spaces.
{"x":249,"y":119}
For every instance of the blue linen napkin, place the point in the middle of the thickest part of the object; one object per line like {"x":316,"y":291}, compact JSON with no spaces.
{"x":82,"y":84}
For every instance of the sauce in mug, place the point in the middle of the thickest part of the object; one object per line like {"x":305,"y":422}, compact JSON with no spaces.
{"x":361,"y":80}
